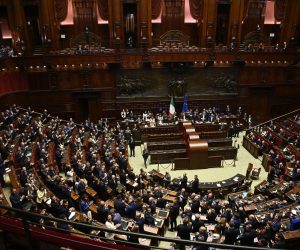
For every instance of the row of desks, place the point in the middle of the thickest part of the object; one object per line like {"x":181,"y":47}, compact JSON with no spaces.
{"x":166,"y":156}
{"x":162,"y":137}
{"x":212,"y":134}
{"x":227,"y":152}
{"x":224,"y":185}
{"x":219,"y":142}
{"x":163,"y":145}
{"x":251,"y":147}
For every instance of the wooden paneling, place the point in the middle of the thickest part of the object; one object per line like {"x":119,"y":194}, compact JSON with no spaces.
{"x":262,"y":90}
{"x":102,"y":79}
{"x":268,"y":75}
{"x":70,"y":80}
{"x":235,"y":20}
{"x":209,"y":22}
{"x":291,"y":21}
{"x":112,"y":34}
{"x":38,"y":81}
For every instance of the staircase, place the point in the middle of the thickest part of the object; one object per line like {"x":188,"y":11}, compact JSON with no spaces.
{"x":38,"y":50}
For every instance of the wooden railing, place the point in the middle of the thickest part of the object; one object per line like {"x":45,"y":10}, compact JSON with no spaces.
{"x":276,"y":119}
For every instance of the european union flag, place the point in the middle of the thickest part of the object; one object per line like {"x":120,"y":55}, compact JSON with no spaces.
{"x":185,"y":105}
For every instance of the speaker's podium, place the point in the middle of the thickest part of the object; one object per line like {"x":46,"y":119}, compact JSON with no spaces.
{"x":198,"y":154}
{"x":197,"y":150}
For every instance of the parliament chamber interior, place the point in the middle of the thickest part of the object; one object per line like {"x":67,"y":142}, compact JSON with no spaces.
{"x":149,"y":124}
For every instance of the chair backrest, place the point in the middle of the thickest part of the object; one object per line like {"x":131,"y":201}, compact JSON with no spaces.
{"x":250,"y":167}
{"x":258,"y":171}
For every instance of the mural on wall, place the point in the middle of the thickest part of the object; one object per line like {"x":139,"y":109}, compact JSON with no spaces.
{"x":177,"y":81}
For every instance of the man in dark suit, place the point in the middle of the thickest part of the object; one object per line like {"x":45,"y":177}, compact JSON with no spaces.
{"x":145,"y":156}
{"x":119,"y":205}
{"x":132,"y":146}
{"x":161,"y":203}
{"x":173,"y":214}
{"x":140,"y":221}
{"x":231,"y":234}
{"x":183,"y":231}
{"x":21,"y":157}
{"x":197,"y":223}
{"x":64,"y":208}
{"x":102,"y":212}
{"x":127,"y":134}
{"x":184,"y":181}
{"x":112,"y":183}
{"x":247,"y":239}
{"x":16,"y":199}
{"x":23,"y":177}
{"x":195,"y":184}
{"x":131,"y":209}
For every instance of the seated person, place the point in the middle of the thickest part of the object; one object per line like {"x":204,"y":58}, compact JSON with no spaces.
{"x":16,"y":199}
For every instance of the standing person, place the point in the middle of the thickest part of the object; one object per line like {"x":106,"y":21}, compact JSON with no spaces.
{"x":127,"y":134}
{"x":231,"y":130}
{"x":145,"y":154}
{"x":173,"y":214}
{"x":111,"y":225}
{"x":183,"y":231}
{"x":237,"y":129}
{"x":249,"y":121}
{"x":123,"y":114}
{"x":16,"y":199}
{"x":231,"y":234}
{"x":132,"y":146}
{"x":195,"y":184}
{"x":271,"y":174}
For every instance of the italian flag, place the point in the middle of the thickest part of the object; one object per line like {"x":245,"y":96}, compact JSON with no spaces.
{"x":172,"y":107}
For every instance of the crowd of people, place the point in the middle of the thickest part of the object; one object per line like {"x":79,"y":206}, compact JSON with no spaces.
{"x":206,"y":115}
{"x":284,"y":159}
{"x":7,"y":51}
{"x":95,"y":155}
{"x":85,"y":49}
{"x":260,"y":47}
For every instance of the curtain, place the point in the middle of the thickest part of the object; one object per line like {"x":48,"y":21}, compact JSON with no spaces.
{"x":279,"y":10}
{"x":156,"y":8}
{"x":246,"y":7}
{"x":61,"y":10}
{"x":195,"y":8}
{"x":103,"y":9}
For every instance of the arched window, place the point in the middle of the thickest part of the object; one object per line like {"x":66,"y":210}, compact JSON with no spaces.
{"x":102,"y":11}
{"x":188,"y":18}
{"x":99,"y":18}
{"x":70,"y":16}
{"x":270,"y":13}
{"x":156,"y":11}
{"x":6,"y":32}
